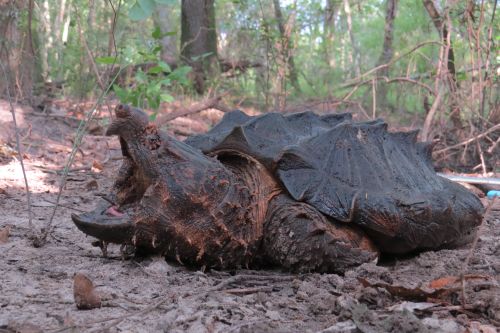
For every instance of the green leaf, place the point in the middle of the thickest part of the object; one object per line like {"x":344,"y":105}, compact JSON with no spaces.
{"x":141,"y":77}
{"x":153,"y":102}
{"x":122,"y":94}
{"x":180,"y":74}
{"x":155,"y":70}
{"x":134,"y":100}
{"x":461,"y":76}
{"x":167,"y":98}
{"x":105,"y":60}
{"x":138,"y":13}
{"x":164,"y":66}
{"x":156,"y":34}
{"x":165,"y":82}
{"x":152,"y":89}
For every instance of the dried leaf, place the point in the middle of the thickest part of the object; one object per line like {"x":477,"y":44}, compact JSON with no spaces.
{"x":92,"y":185}
{"x":416,"y":294}
{"x":3,"y":191}
{"x":4,"y":234}
{"x":436,"y":289}
{"x":452,"y":281}
{"x":85,"y":295}
{"x":442,"y":282}
{"x":97,"y":166}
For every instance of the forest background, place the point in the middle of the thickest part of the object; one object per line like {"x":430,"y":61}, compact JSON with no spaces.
{"x":418,"y":63}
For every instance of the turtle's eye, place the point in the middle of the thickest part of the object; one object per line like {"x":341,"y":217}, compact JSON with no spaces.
{"x":122,"y":111}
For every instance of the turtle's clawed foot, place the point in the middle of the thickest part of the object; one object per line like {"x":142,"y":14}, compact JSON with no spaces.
{"x":300,"y":238}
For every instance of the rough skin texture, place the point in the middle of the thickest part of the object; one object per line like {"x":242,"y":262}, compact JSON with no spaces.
{"x":307,"y":192}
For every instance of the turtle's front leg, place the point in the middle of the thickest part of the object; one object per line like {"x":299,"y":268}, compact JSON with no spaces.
{"x":300,"y":238}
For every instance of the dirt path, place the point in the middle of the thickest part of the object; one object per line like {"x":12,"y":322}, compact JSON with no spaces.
{"x":151,"y":295}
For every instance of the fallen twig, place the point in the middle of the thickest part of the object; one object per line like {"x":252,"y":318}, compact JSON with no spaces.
{"x":115,"y":320}
{"x":244,"y":277}
{"x":19,"y":152}
{"x":493,"y":146}
{"x":194,"y":108}
{"x":466,"y":142}
{"x":66,"y":206}
{"x":61,"y":171}
{"x":247,"y":291}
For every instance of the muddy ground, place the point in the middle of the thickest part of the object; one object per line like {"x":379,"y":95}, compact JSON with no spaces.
{"x":420,"y":293}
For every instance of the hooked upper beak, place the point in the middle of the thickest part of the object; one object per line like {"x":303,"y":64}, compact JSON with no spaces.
{"x":110,"y":229}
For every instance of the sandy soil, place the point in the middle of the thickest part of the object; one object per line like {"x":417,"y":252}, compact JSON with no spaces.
{"x":417,"y":293}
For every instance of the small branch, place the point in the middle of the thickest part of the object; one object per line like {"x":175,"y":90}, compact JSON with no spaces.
{"x":80,"y":133}
{"x":493,"y":146}
{"x":409,"y":80}
{"x":89,"y":52}
{"x":430,"y":117}
{"x":374,"y":96}
{"x":387,"y":80}
{"x":466,"y":142}
{"x":377,"y":68}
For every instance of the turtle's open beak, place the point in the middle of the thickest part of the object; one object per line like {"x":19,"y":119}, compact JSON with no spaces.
{"x":108,"y":227}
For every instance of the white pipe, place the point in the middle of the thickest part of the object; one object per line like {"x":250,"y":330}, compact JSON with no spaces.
{"x":471,"y":180}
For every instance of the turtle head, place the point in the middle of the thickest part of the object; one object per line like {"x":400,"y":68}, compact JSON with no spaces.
{"x":129,"y":120}
{"x":112,"y":220}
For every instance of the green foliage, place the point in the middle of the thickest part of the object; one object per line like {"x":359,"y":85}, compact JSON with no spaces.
{"x":247,"y":30}
{"x":150,"y":87}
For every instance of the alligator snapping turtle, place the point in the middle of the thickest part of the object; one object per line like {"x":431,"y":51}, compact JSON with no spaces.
{"x":303,"y":191}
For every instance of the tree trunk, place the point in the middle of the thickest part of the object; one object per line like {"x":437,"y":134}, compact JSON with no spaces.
{"x":165,"y":21}
{"x":44,"y":39}
{"x":387,"y":51}
{"x":16,"y":56}
{"x":442,"y":28}
{"x":59,"y":31}
{"x":354,"y":55}
{"x":286,"y":45}
{"x":331,"y":10}
{"x":199,"y":38}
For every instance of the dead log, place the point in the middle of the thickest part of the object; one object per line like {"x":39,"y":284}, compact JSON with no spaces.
{"x":210,"y":103}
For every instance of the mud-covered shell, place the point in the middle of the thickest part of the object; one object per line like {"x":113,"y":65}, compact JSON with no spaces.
{"x":355,"y":172}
